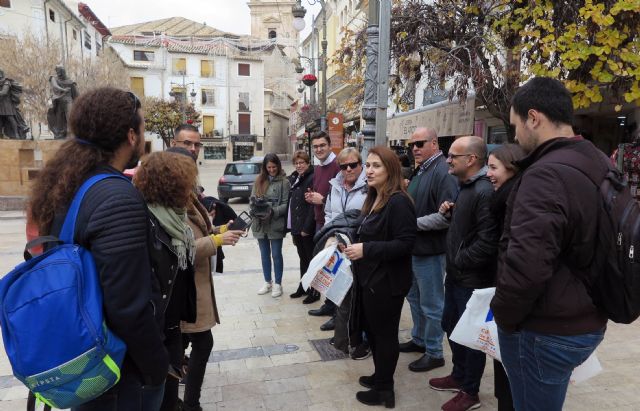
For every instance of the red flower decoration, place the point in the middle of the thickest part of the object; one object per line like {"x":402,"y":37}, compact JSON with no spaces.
{"x":189,"y":121}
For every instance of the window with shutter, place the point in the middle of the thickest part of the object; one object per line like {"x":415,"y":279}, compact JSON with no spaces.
{"x":206,"y":68}
{"x":179,"y":66}
{"x":208,"y":98}
{"x":243,"y":102}
{"x":208,"y":126}
{"x":244,"y":123}
{"x":244,"y":69}
{"x":137,"y":86}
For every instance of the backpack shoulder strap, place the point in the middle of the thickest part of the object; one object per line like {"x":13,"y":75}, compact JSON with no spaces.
{"x":69,"y":226}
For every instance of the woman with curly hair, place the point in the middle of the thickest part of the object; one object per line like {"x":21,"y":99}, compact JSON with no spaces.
{"x":166,"y":181}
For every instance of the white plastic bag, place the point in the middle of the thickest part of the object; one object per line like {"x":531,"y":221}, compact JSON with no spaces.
{"x":478,"y":330}
{"x":330,"y":273}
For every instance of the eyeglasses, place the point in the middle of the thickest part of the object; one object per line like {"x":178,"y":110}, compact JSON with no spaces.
{"x":190,"y":143}
{"x":347,"y":165}
{"x":452,"y":156}
{"x":319,"y":146}
{"x":136,"y":102}
{"x":418,"y":144}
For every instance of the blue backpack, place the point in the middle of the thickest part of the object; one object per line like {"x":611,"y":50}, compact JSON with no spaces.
{"x":52,"y":320}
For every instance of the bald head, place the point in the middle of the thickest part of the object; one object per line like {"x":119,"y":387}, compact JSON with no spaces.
{"x":467,"y":156}
{"x":424,"y":144}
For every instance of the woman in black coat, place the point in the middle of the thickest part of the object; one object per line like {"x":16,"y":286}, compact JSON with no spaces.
{"x":300,"y":218}
{"x":382,"y":264}
{"x":502,"y":172}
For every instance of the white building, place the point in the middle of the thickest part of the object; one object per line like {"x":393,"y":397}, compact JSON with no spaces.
{"x":221,"y":73}
{"x":72,"y":25}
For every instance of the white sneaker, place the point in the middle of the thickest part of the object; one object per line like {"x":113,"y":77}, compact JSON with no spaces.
{"x":276,"y":291}
{"x":265,"y":289}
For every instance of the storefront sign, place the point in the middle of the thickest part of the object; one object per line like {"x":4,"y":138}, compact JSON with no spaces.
{"x":336,"y":131}
{"x":447,"y":118}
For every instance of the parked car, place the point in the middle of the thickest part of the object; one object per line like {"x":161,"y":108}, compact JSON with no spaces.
{"x":238,"y":179}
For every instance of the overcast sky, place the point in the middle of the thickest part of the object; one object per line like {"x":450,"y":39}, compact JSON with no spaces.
{"x":226,"y":15}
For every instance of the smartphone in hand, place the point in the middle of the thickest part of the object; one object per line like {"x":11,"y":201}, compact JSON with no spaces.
{"x":243,"y":222}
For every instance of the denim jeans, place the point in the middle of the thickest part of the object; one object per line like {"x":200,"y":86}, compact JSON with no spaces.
{"x":130,"y":394}
{"x":271,"y":249}
{"x":539,"y":365}
{"x":426,"y":299}
{"x":468,"y":364}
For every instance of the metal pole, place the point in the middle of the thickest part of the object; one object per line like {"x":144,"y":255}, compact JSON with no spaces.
{"x":383,"y":72}
{"x":371,"y":78}
{"x":323,"y":119}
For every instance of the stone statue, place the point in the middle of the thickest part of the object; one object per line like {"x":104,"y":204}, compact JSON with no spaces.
{"x":63,"y":92}
{"x":12,"y":125}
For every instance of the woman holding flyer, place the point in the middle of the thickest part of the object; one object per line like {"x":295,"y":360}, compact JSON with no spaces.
{"x":382,"y":263}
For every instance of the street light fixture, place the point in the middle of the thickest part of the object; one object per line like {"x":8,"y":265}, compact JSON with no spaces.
{"x":299,"y":12}
{"x":182,"y":102}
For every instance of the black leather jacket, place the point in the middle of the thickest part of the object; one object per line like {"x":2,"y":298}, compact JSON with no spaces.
{"x":472,"y":239}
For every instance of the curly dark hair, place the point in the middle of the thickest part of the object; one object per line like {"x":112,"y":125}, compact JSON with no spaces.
{"x":100,"y":120}
{"x":166,"y":179}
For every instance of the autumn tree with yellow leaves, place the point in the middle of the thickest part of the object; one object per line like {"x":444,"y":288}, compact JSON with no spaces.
{"x":491,"y":47}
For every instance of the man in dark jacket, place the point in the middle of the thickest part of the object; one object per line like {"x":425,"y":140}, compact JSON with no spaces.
{"x":547,"y":322}
{"x":108,"y":125}
{"x":431,"y":185}
{"x":472,"y":242}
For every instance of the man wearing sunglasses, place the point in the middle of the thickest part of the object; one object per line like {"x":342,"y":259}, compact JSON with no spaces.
{"x":188,"y":137}
{"x":430,"y":186}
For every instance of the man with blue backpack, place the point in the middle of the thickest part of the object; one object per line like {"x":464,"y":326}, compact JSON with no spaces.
{"x":111,"y":226}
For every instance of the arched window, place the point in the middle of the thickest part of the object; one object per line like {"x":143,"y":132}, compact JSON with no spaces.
{"x":272,"y":33}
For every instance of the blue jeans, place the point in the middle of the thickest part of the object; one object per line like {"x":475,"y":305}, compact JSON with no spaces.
{"x":468,"y":364}
{"x":426,"y":299}
{"x":271,"y":249}
{"x":539,"y":365}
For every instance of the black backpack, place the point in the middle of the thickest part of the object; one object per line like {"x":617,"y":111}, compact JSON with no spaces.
{"x":616,"y":284}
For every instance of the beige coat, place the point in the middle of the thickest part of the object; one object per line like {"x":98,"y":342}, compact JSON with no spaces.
{"x":207,"y":311}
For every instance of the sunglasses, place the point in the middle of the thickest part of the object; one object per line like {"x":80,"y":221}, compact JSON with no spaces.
{"x":347,"y":165}
{"x":418,"y":144}
{"x":136,"y":102}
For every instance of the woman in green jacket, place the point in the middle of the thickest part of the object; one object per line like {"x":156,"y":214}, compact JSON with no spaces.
{"x":269,"y":210}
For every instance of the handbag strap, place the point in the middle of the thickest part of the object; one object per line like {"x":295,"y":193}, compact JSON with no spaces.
{"x":69,"y":226}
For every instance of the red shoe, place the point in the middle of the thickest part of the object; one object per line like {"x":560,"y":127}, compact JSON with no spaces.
{"x":462,"y":402}
{"x":447,"y":383}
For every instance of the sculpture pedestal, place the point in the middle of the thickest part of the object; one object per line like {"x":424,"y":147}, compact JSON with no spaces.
{"x":21,"y":161}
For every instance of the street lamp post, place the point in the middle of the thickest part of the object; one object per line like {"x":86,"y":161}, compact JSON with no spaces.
{"x":183,"y":101}
{"x":299,"y":12}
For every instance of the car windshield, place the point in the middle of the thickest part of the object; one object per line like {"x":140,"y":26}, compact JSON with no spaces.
{"x":242,"y":168}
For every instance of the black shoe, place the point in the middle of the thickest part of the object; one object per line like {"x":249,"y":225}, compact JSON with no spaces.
{"x":332,"y":341}
{"x":426,"y":363}
{"x":375,"y":397}
{"x":299,"y":293}
{"x":367,"y":381}
{"x":329,"y":325}
{"x":322,"y":311}
{"x":311,"y":297}
{"x":410,"y":346}
{"x":361,"y":352}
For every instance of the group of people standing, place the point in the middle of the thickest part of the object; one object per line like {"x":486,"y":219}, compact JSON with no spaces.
{"x":519,"y":218}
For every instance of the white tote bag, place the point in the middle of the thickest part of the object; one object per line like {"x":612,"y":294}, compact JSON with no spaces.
{"x":330,"y":273}
{"x":478,"y":330}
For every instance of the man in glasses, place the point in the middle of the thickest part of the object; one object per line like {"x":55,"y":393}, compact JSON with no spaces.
{"x":188,"y":137}
{"x":324,"y":169}
{"x":430,"y":186}
{"x":472,"y":246}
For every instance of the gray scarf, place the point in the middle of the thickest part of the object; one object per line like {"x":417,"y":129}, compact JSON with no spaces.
{"x":174,"y":222}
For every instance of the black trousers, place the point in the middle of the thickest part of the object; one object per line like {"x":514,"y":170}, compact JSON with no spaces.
{"x":304,"y":245}
{"x":201,"y":346}
{"x":502,"y":389}
{"x":173,"y":342}
{"x":468,"y":364}
{"x":381,"y":320}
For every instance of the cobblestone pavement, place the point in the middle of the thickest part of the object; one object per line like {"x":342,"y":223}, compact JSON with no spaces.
{"x":263,"y":358}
